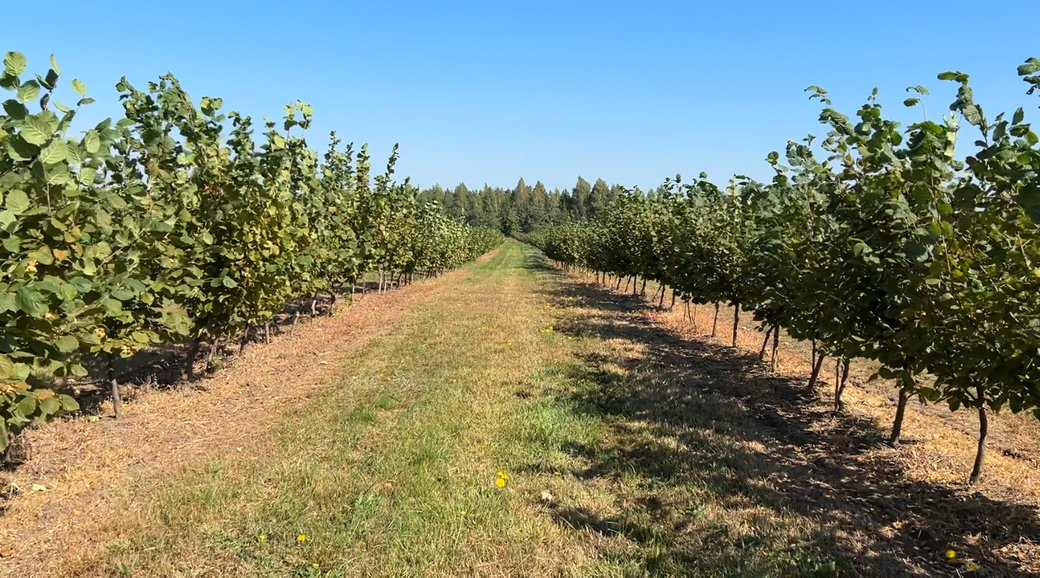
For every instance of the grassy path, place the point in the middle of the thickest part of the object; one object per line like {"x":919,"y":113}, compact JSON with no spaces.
{"x":390,"y":470}
{"x":628,"y":451}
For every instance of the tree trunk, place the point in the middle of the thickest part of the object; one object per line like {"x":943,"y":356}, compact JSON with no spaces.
{"x":295,"y":320}
{"x":642,"y":290}
{"x":113,"y":383}
{"x":980,"y":453}
{"x":635,"y":281}
{"x":188,"y":369}
{"x":332,"y":303}
{"x":267,"y":332}
{"x":813,"y":364}
{"x":765,"y":342}
{"x":660,"y":304}
{"x":897,"y":425}
{"x":776,"y":348}
{"x":839,"y":384}
{"x":212,"y":351}
{"x":245,"y":339}
{"x":314,"y":305}
{"x":816,"y":371}
{"x":715,"y":322}
{"x":736,"y":322}
{"x":672,"y":306}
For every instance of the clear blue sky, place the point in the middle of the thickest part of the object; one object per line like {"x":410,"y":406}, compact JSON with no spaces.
{"x":487,"y":92}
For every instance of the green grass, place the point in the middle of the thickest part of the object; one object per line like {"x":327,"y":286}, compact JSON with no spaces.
{"x":391,"y":469}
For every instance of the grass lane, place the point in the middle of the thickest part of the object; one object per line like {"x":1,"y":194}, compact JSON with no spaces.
{"x":392,"y":469}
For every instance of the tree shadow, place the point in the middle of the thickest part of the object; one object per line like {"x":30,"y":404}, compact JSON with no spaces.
{"x":710,"y":416}
{"x":172,"y":365}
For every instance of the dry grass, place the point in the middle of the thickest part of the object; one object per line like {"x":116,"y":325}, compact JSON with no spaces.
{"x":634,"y":446}
{"x":908,"y":503}
{"x":90,"y":468}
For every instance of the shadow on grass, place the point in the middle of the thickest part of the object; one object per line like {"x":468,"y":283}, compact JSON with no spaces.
{"x":695,"y":423}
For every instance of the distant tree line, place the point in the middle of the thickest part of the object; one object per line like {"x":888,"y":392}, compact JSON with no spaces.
{"x":524,"y":208}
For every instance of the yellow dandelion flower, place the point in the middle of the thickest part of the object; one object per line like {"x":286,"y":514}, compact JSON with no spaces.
{"x":500,"y":482}
{"x":315,"y":566}
{"x":261,"y":538}
{"x":503,"y":475}
{"x":301,"y":538}
{"x":951,"y":554}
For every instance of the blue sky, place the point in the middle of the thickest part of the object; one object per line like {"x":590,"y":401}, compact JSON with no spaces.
{"x":487,"y":92}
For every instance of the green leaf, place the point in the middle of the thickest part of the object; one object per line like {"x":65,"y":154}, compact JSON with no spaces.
{"x":112,"y":306}
{"x":30,"y":302}
{"x":67,"y":344}
{"x":8,"y":302}
{"x":49,"y":82}
{"x":49,"y":406}
{"x":6,"y":367}
{"x":91,"y":142}
{"x":36,"y":130}
{"x":1031,"y":66}
{"x":54,"y":65}
{"x":56,"y":174}
{"x":87,"y":175}
{"x":228,"y":282}
{"x":15,"y":109}
{"x":17,"y":202}
{"x":26,"y":407}
{"x":68,"y":403}
{"x":54,"y":153}
{"x":14,"y":63}
{"x":21,"y":150}
{"x":13,"y":244}
{"x":79,"y":87}
{"x":28,"y":91}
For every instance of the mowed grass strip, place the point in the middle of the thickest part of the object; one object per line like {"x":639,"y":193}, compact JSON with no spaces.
{"x":492,"y":433}
{"x":390,"y":471}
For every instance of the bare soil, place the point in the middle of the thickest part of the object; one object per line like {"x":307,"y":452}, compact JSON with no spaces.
{"x":81,"y":469}
{"x":914,"y":498}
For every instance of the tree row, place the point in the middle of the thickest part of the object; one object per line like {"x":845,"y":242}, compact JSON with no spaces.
{"x":179,"y":224}
{"x":877,"y":242}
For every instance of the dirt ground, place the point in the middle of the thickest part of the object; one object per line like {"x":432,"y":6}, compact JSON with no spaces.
{"x":81,"y":467}
{"x":897,"y":506}
{"x":915,"y":494}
